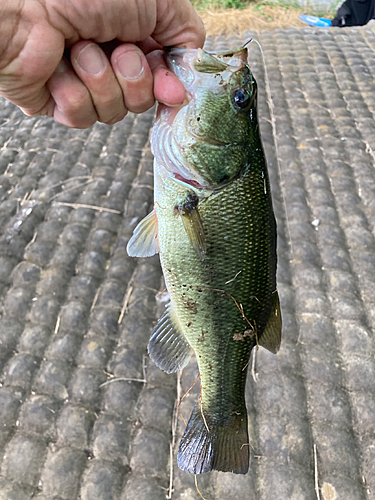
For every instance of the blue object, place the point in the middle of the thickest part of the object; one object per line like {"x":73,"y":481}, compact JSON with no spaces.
{"x":318,"y":22}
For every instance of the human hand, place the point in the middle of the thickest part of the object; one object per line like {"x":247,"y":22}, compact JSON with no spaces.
{"x":88,"y":86}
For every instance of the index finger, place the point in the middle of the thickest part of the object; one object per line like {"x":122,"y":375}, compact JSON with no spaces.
{"x":178,"y":25}
{"x":167,"y":87}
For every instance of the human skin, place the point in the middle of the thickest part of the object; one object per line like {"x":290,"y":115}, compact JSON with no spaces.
{"x":55,"y":59}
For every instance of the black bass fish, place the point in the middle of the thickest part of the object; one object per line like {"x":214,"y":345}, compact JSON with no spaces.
{"x":214,"y":228}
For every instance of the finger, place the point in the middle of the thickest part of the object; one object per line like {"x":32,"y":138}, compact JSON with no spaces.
{"x":149,"y":45}
{"x":178,"y":25}
{"x":167,"y":87}
{"x":92,"y":67}
{"x":73,"y":104}
{"x":134,"y":76}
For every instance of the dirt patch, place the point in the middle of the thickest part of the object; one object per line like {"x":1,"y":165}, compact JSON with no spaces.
{"x":190,"y":304}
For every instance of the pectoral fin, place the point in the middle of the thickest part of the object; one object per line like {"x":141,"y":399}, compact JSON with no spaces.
{"x":168,"y":347}
{"x":271,"y":337}
{"x":192,"y":222}
{"x":144,"y":242}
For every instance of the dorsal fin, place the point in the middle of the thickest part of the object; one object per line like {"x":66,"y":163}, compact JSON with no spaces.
{"x":271,"y":337}
{"x":168,"y":347}
{"x":144,"y":242}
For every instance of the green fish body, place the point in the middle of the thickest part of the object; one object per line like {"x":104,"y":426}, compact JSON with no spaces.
{"x":214,"y":228}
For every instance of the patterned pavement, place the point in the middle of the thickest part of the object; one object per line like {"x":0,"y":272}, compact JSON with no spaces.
{"x":84,"y":414}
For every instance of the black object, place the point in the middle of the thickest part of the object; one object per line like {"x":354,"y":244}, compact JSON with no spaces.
{"x":354,"y":13}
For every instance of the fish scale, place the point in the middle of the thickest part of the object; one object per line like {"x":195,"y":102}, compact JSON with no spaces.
{"x":216,"y":236}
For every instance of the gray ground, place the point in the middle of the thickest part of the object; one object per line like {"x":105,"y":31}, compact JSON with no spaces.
{"x":84,"y":414}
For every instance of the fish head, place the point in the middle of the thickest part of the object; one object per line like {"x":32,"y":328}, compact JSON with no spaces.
{"x":205,"y":142}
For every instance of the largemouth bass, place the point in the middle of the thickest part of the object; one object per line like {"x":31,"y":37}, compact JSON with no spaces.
{"x":214,"y":228}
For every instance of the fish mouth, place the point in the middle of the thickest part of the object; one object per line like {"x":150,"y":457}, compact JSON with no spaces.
{"x":205,"y":62}
{"x":165,"y":110}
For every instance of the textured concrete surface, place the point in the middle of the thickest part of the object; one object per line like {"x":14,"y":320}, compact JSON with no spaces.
{"x":84,"y":414}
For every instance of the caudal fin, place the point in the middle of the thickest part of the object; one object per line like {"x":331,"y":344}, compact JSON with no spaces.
{"x":214,"y":443}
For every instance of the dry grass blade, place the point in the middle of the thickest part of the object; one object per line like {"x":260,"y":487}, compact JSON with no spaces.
{"x":253,"y":372}
{"x":184,"y":396}
{"x":31,"y":241}
{"x":93,"y":207}
{"x":128,"y":379}
{"x":66,"y":181}
{"x":57,"y":326}
{"x":174,"y":432}
{"x":204,"y":418}
{"x":123,"y":379}
{"x":196,"y":486}
{"x":125,"y":304}
{"x":255,"y":17}
{"x":73,"y":188}
{"x":95,"y":300}
{"x":316,"y":477}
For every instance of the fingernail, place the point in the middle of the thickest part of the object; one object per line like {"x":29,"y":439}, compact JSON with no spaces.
{"x":130,"y":65}
{"x":91,"y":60}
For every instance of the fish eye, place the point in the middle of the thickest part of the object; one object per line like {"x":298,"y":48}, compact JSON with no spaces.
{"x":241,"y":98}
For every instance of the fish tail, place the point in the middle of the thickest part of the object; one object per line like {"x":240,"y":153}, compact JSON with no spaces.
{"x":214,"y":443}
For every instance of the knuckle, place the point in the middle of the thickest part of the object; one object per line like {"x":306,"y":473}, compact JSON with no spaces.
{"x":112,"y":100}
{"x":141,"y":107}
{"x":79,"y":110}
{"x":115,"y":119}
{"x":138,"y":102}
{"x":82,"y":124}
{"x":110,"y":107}
{"x":77,"y":101}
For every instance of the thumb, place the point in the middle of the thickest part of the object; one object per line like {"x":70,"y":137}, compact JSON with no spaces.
{"x":23,"y":77}
{"x":39,"y":103}
{"x":33,"y":98}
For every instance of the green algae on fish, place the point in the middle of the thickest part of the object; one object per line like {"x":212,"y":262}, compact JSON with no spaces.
{"x":214,"y":229}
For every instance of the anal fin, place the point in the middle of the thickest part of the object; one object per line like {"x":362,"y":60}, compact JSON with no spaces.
{"x":168,"y":347}
{"x":271,"y":337}
{"x":144,"y":242}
